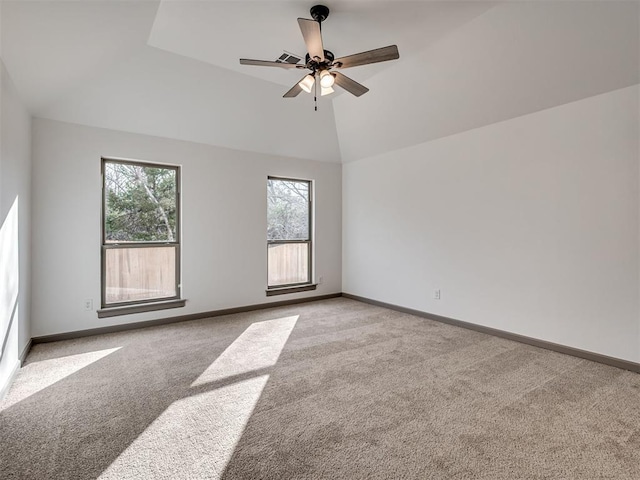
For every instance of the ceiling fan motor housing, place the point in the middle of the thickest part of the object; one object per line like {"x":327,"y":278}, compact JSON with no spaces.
{"x":313,"y":65}
{"x":319,"y":13}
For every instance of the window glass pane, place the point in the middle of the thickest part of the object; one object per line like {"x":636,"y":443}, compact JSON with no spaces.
{"x":287,"y":210}
{"x":288,"y":263}
{"x":140,"y":203}
{"x":140,"y":273}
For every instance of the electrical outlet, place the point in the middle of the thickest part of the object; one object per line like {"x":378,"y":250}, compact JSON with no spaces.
{"x":436,"y":294}
{"x":88,"y":304}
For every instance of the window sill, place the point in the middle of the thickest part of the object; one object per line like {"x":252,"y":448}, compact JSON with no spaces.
{"x":139,"y":308}
{"x":284,"y":290}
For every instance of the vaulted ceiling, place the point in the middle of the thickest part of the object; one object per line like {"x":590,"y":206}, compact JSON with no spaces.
{"x":170,"y":68}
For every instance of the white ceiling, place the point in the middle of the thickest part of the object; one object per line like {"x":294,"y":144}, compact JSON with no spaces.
{"x":515,"y":59}
{"x":220,"y":33}
{"x":170,"y":68}
{"x":52,"y":47}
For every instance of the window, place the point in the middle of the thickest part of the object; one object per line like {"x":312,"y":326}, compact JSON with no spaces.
{"x":288,"y":233}
{"x":140,"y":233}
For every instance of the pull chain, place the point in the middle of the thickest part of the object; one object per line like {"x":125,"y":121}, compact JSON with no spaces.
{"x":315,"y":84}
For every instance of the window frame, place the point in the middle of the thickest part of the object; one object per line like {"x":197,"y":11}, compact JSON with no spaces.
{"x":129,"y":306}
{"x":298,"y":286}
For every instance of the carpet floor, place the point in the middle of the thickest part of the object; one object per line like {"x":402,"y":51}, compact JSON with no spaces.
{"x":329,"y":389}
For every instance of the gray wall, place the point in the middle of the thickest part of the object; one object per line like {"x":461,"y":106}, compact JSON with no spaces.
{"x":15,"y":223}
{"x":528,"y":225}
{"x":223,"y":222}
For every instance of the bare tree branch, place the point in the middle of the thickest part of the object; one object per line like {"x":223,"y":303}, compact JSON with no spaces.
{"x":142,"y":180}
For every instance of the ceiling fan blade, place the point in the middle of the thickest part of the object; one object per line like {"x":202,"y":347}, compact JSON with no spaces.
{"x":372,"y":56}
{"x":295,"y":90}
{"x":349,"y":85}
{"x":312,"y":37}
{"x":266,"y":63}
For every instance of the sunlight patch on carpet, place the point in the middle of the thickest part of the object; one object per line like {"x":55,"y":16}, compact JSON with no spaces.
{"x":258,"y":347}
{"x":194,"y":438}
{"x":37,"y":376}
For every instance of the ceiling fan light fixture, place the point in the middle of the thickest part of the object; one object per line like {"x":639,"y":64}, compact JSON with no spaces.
{"x":326,"y":79}
{"x":326,"y":91}
{"x":306,"y":83}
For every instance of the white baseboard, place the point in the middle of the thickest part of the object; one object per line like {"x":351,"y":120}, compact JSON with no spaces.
{"x":4,"y":389}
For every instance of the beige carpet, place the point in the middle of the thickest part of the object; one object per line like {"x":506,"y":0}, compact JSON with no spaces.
{"x":331,"y":389}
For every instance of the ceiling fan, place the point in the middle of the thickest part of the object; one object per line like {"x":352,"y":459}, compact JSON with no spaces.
{"x":322,"y":63}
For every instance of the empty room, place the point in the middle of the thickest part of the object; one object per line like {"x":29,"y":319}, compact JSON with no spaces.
{"x":319,"y":240}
